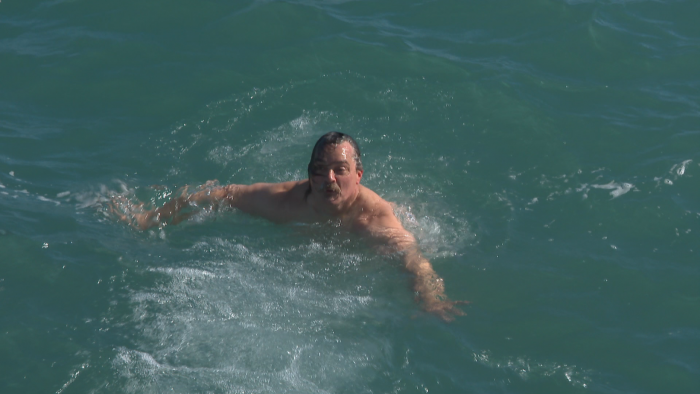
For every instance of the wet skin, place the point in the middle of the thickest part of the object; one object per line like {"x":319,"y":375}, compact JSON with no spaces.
{"x":335,"y":194}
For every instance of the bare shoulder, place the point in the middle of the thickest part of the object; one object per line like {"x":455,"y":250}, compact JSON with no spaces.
{"x":372,"y":201}
{"x":378,"y":222}
{"x":278,"y":202}
{"x":374,"y":211}
{"x":282,"y":190}
{"x":293,"y":192}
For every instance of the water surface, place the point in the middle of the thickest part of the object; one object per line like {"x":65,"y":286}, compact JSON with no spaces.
{"x":545,"y":154}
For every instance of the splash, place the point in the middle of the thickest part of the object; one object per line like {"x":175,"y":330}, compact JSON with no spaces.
{"x":444,"y":235}
{"x":679,"y":169}
{"x":617,"y":189}
{"x":526,"y":368}
{"x":246,"y":317}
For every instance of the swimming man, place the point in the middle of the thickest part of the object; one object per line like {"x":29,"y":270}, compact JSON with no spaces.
{"x":332,"y":192}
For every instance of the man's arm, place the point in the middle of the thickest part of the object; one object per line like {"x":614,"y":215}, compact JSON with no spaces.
{"x":267,"y":200}
{"x":386,"y":229}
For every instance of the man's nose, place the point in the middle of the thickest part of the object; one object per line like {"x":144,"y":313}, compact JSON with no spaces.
{"x":331,"y":175}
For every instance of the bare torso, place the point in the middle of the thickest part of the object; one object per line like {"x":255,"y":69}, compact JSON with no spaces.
{"x":291,"y":202}
{"x":365,"y":213}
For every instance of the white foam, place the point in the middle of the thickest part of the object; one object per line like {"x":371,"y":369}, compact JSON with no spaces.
{"x":41,"y":198}
{"x":617,"y":188}
{"x":438,"y":236}
{"x":679,"y":169}
{"x":245,"y":317}
{"x":526,"y":368}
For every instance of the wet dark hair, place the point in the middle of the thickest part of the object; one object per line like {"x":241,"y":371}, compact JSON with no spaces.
{"x":335,"y":138}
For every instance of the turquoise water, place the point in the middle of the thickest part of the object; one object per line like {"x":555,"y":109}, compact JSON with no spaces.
{"x":546,"y":153}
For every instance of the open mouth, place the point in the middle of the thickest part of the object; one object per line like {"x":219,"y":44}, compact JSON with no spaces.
{"x":331,"y":191}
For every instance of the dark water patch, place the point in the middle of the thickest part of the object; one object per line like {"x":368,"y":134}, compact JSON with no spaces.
{"x":578,"y":316}
{"x":53,"y":327}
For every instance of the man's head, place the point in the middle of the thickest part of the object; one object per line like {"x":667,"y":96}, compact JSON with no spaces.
{"x":335,"y":169}
{"x":335,"y":138}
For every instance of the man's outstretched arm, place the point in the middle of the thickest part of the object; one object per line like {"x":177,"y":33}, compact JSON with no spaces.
{"x":261,"y":199}
{"x":172,"y":211}
{"x":428,"y":285}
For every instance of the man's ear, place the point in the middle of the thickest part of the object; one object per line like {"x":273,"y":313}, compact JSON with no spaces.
{"x":359,"y":175}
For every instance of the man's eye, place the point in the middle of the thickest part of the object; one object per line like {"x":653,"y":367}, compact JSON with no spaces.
{"x":341,"y":170}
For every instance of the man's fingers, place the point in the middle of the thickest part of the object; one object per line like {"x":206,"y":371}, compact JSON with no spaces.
{"x":115,"y":210}
{"x":183,"y":216}
{"x":446,"y":316}
{"x":209,"y":184}
{"x":446,"y":310}
{"x":116,"y":207}
{"x":458,"y":311}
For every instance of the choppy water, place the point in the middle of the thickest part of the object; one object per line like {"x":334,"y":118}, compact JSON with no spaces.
{"x":546,"y":153}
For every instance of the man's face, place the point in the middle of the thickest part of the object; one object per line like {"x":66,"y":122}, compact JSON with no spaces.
{"x":334,"y":177}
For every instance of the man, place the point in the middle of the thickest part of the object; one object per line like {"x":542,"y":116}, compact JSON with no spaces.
{"x":332,"y":192}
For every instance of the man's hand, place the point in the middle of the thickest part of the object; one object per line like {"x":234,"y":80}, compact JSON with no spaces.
{"x":430,"y":288}
{"x":444,"y":308}
{"x":171,"y":212}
